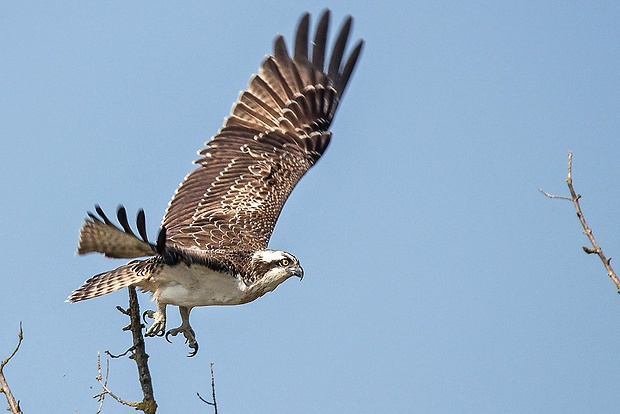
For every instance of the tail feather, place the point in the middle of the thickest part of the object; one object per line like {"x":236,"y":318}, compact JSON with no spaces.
{"x":132,"y":273}
{"x":99,"y":234}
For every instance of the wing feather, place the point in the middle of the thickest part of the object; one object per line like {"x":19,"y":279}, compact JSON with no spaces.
{"x":320,"y":42}
{"x":277,"y":130}
{"x":99,"y":234}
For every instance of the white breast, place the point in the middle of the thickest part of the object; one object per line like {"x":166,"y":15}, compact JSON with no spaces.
{"x":197,"y":285}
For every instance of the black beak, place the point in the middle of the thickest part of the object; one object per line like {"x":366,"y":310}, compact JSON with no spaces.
{"x":298,"y":271}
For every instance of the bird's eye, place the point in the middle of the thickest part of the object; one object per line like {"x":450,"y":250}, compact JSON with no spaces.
{"x":284,"y":262}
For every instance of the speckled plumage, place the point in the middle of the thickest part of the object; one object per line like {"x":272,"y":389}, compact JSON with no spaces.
{"x":215,"y":232}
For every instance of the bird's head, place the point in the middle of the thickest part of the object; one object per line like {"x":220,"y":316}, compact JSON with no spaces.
{"x":272,"y":267}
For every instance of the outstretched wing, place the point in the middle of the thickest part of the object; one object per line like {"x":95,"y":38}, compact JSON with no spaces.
{"x":276,"y":131}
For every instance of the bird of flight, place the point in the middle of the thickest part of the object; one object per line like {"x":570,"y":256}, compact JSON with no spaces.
{"x":212,"y":243}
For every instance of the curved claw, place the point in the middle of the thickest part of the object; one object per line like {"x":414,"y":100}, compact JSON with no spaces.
{"x":195,"y":350}
{"x":148,"y":313}
{"x":158,"y":327}
{"x":189,"y":335}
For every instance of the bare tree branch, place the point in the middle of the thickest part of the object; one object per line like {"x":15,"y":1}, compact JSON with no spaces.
{"x":4,"y":386}
{"x":148,"y":405}
{"x":139,"y":354}
{"x":214,"y":403}
{"x":595,"y":249}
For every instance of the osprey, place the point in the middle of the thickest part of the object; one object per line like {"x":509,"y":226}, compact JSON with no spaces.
{"x":212,"y":243}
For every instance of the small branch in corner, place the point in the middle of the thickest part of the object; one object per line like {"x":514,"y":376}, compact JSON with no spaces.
{"x":574,"y":198}
{"x":4,"y":386}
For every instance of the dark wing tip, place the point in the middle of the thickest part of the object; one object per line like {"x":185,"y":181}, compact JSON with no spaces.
{"x":348,"y":67}
{"x":301,"y":37}
{"x":121,"y":215}
{"x":339,"y":46}
{"x":141,"y":222}
{"x":320,"y":41}
{"x":279,"y":48}
{"x":99,"y":211}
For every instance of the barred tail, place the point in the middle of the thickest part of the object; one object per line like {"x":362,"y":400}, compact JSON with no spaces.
{"x":99,"y":234}
{"x":132,"y":273}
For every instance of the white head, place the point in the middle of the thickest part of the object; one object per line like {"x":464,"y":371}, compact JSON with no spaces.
{"x":272,"y":267}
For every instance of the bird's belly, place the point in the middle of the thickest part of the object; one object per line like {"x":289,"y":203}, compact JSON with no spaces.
{"x":197,"y":285}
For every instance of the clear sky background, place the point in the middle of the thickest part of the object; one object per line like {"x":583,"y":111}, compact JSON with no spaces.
{"x":438,"y":278}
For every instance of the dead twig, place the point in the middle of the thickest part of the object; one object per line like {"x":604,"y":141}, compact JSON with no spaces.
{"x":113,"y":356}
{"x":595,"y":249}
{"x":214,"y":403}
{"x":104,"y":382}
{"x":4,"y":386}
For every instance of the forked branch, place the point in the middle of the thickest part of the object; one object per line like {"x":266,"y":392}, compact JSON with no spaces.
{"x":595,"y":249}
{"x":104,"y":387}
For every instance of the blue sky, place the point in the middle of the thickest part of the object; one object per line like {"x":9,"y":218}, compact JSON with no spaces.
{"x":437,"y":280}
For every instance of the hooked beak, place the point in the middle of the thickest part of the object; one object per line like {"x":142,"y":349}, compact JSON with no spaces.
{"x":298,"y":271}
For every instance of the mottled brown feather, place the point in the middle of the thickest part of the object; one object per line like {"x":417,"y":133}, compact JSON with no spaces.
{"x":276,"y":131}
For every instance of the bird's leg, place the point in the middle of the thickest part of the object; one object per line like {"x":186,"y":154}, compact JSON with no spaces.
{"x":186,"y":330}
{"x":159,"y":320}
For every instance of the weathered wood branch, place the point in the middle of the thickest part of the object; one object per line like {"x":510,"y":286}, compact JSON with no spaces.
{"x":595,"y":249}
{"x":148,"y":405}
{"x":4,"y":386}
